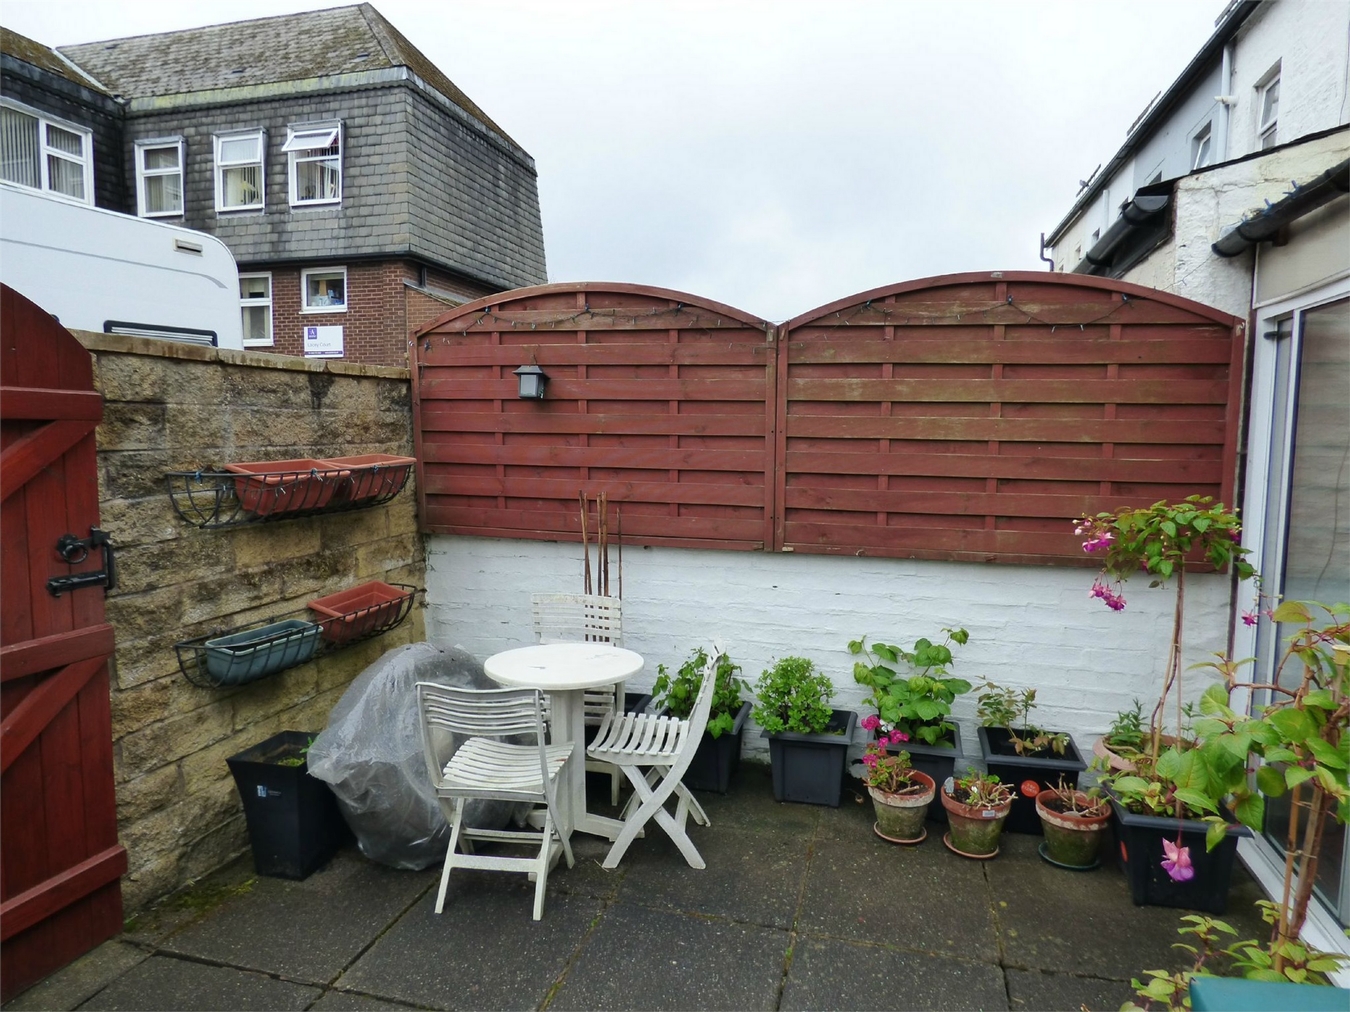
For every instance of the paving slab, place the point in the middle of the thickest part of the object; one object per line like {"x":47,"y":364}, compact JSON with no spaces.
{"x":165,"y":984}
{"x":347,"y":1001}
{"x":308,"y":930}
{"x":80,"y":980}
{"x":830,"y":974}
{"x":1038,"y":989}
{"x":747,"y":878}
{"x":484,"y":952}
{"x":1054,"y":919}
{"x":749,"y":805}
{"x":921,"y":898}
{"x":643,"y":958}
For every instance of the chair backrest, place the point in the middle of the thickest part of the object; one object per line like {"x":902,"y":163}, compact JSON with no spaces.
{"x":577,"y":618}
{"x":698,"y":717}
{"x":450,"y":715}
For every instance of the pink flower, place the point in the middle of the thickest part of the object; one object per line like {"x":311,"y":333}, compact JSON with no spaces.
{"x":1177,"y":863}
{"x":871,"y":722}
{"x":898,"y":736}
{"x":1249,"y":617}
{"x":1102,"y":539}
{"x":1111,"y":598}
{"x":870,"y":759}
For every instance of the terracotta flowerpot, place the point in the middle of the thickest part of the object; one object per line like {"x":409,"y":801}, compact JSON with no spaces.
{"x":1072,"y":840}
{"x":974,"y":831}
{"x":900,"y":815}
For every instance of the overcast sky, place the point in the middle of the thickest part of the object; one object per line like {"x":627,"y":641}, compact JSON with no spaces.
{"x":773,"y":156}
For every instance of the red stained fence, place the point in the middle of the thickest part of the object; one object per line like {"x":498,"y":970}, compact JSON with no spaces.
{"x":967,"y":417}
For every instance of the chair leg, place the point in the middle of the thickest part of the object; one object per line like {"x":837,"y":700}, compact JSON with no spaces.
{"x":614,"y":779}
{"x":653,"y":806}
{"x":456,"y":817}
{"x":541,"y":866}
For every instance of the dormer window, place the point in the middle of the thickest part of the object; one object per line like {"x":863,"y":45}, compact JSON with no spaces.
{"x":159,"y":177}
{"x":315,"y":153}
{"x":239,"y":171}
{"x":46,"y":155}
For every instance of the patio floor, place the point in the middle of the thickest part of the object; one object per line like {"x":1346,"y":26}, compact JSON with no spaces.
{"x":800,"y":907}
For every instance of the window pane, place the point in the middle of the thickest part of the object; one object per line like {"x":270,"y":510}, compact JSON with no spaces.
{"x":19,"y":148}
{"x":241,"y":186}
{"x":161,"y":158}
{"x":257,"y":323}
{"x":1270,"y":102}
{"x":65,"y":176}
{"x":325,"y":290}
{"x":317,"y":180}
{"x":163,"y":193}
{"x":255,"y":288}
{"x":65,"y":141}
{"x":240,"y":149}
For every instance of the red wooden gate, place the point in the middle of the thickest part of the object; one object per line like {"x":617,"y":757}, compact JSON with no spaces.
{"x":60,"y":861}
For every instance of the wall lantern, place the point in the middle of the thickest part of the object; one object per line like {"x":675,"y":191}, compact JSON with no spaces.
{"x":532,"y":382}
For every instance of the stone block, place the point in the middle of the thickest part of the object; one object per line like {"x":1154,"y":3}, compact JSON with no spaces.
{"x":139,"y":474}
{"x":380,"y":557}
{"x":171,"y":562}
{"x":216,"y":599}
{"x":268,"y":544}
{"x":157,"y":789}
{"x":149,"y":659}
{"x":268,"y":697}
{"x":138,"y":521}
{"x":200,"y":431}
{"x":172,"y":739}
{"x":260,"y":389}
{"x":145,"y":614}
{"x":133,"y":425}
{"x":342,"y":531}
{"x":319,"y":574}
{"x":268,"y":434}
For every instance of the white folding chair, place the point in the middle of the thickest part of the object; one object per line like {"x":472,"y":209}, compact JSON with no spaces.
{"x":585,"y":618}
{"x":654,"y":753}
{"x":466,"y":758}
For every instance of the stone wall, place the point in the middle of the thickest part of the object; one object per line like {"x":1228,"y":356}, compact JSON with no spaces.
{"x":177,"y":407}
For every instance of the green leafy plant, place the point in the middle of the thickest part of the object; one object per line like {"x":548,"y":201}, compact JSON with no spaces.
{"x":1127,"y":733}
{"x":793,"y":696}
{"x":1011,"y":709}
{"x":912,"y":690}
{"x":1163,"y":540}
{"x":980,"y":790}
{"x":886,"y":771}
{"x":678,"y":692}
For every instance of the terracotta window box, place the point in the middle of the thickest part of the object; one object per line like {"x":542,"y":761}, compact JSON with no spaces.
{"x":361,"y":611}
{"x":287,"y":486}
{"x":373,"y":475}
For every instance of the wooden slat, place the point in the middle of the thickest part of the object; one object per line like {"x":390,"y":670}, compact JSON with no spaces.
{"x":437,"y":419}
{"x":970,"y":465}
{"x":563,"y":388}
{"x":47,"y":404}
{"x":708,"y":493}
{"x":21,"y":912}
{"x":26,"y":721}
{"x":540,"y":535}
{"x":635,"y":525}
{"x":1026,"y":430}
{"x":725,"y":351}
{"x":21,"y":461}
{"x":1002,"y":504}
{"x":856,"y":349}
{"x":595,"y":456}
{"x":29,"y":657}
{"x":1033,"y":391}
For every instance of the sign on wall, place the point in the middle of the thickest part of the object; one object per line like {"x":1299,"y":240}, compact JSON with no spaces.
{"x":323,"y":342}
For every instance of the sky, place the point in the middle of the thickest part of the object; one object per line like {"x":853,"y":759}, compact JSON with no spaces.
{"x":773,"y":156}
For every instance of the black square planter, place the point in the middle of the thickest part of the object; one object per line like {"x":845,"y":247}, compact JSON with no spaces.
{"x":717,"y":759}
{"x":1027,"y":775}
{"x":294,"y":825}
{"x":809,"y":768}
{"x":1141,"y":854}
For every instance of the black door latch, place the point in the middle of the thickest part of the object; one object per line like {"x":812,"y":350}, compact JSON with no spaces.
{"x":75,"y":550}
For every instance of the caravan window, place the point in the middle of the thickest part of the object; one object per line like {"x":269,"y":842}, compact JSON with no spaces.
{"x":46,"y":155}
{"x":239,"y":171}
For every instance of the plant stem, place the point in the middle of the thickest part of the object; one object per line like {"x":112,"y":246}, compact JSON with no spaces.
{"x":1173,"y":670}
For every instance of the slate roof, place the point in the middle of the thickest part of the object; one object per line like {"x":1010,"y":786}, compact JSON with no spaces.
{"x":23,"y":48}
{"x":289,"y":47}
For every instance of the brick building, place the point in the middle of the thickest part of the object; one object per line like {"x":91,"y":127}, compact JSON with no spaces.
{"x":360,"y":191}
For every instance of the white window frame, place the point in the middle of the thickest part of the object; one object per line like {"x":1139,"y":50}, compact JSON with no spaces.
{"x":1267,"y":128}
{"x":220,"y":167}
{"x":1202,"y":146}
{"x":305,"y":307}
{"x":257,"y":304}
{"x":296,"y":148}
{"x":86,"y":161}
{"x":142,"y":173}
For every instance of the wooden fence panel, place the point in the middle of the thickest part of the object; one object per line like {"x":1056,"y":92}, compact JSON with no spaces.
{"x":660,"y":400}
{"x":973,"y":417}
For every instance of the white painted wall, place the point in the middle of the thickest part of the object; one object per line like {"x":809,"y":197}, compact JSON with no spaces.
{"x":1029,"y":625}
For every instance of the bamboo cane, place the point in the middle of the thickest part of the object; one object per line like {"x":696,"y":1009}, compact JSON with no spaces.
{"x":618,"y":519}
{"x":602,"y":507}
{"x":585,"y":544}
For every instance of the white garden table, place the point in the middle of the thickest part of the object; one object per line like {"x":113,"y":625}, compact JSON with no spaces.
{"x":565,"y":671}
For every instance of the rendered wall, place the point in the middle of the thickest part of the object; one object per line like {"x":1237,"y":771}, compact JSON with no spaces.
{"x":175,"y":407}
{"x":1029,"y":625}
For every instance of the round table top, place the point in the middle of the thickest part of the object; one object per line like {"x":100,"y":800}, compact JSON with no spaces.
{"x":561,"y":666}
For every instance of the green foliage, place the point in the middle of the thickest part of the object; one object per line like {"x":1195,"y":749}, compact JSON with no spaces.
{"x":677,"y":692}
{"x":912,"y":690}
{"x":1010,"y":709}
{"x":793,"y":696}
{"x":1126,"y":734}
{"x":980,"y":790}
{"x":1161,"y":538}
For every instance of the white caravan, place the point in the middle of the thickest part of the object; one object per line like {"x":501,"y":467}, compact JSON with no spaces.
{"x":117,"y":274}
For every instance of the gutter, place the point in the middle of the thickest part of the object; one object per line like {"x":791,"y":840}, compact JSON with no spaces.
{"x":1143,"y":221}
{"x":1236,"y":15}
{"x":1301,"y":200}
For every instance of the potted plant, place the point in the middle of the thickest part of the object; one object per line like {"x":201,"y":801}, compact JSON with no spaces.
{"x":294,"y":825}
{"x":900,"y":794}
{"x":808,"y":741}
{"x":1122,"y":740}
{"x":1301,"y":737}
{"x":913,"y":691}
{"x":977,"y":807}
{"x":1074,"y":823}
{"x":1021,"y":754}
{"x":719,"y":752}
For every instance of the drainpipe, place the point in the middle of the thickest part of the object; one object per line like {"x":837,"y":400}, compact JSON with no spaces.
{"x":1048,"y":260}
{"x":1226,"y":101}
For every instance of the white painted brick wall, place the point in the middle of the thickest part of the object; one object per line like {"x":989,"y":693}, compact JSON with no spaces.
{"x":1029,"y":625}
